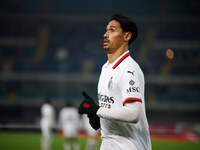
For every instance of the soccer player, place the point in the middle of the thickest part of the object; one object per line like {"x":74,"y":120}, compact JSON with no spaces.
{"x":47,"y":123}
{"x":69,"y":122}
{"x":121,"y":107}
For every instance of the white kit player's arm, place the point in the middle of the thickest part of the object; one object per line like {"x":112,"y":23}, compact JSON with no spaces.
{"x":130,"y":112}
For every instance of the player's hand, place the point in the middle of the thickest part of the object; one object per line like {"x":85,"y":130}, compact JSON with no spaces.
{"x":88,"y":106}
{"x":94,"y":122}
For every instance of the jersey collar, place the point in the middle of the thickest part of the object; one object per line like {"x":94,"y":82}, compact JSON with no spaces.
{"x":120,"y":59}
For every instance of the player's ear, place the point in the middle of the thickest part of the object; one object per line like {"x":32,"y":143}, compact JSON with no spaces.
{"x":127,"y":36}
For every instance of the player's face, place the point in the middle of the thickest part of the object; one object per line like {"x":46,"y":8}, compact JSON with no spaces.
{"x":114,"y":37}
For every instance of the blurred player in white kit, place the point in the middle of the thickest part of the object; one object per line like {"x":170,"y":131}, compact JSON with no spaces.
{"x":47,"y":123}
{"x":92,"y":134}
{"x":69,"y":123}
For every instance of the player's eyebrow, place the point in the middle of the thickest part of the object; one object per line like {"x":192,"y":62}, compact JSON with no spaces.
{"x":112,"y":26}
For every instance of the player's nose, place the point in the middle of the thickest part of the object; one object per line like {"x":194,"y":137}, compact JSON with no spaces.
{"x":105,"y":35}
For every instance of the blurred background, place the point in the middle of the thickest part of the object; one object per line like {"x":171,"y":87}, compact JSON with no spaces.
{"x":53,"y":49}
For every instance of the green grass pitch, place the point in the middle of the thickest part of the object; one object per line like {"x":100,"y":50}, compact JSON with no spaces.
{"x":31,"y":141}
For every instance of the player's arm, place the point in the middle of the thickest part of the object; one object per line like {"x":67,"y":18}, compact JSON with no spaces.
{"x":130,"y":112}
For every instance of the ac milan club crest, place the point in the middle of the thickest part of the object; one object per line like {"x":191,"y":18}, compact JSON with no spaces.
{"x":110,"y":83}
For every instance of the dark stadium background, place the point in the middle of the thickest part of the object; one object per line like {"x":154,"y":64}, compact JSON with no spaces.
{"x":53,"y":49}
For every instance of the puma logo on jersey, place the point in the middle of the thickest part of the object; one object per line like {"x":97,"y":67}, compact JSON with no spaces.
{"x":131,"y":72}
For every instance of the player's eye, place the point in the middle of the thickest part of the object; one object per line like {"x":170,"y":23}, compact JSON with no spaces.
{"x":112,"y":29}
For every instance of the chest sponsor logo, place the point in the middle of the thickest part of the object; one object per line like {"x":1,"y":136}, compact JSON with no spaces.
{"x":105,"y":101}
{"x":133,"y":89}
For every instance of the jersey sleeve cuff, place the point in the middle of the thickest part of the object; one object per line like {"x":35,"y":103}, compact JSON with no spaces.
{"x":132,"y":99}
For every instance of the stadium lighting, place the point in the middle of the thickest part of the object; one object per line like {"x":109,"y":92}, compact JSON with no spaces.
{"x":170,"y":53}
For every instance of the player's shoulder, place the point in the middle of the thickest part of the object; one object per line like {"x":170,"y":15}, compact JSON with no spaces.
{"x":130,"y":63}
{"x":74,"y":109}
{"x":46,"y":106}
{"x":130,"y":66}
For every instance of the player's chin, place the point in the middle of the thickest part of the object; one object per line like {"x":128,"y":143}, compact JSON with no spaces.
{"x":106,"y":47}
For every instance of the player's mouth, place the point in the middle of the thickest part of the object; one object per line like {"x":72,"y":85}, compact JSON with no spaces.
{"x":105,"y":42}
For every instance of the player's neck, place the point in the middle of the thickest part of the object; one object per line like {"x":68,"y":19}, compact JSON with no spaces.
{"x":116,"y":54}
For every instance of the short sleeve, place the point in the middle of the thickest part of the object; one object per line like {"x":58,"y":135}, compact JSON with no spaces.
{"x":132,"y":85}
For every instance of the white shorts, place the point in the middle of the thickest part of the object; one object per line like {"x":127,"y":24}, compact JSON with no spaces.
{"x":46,"y":127}
{"x":70,"y":131}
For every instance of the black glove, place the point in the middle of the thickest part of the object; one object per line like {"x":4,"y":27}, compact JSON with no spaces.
{"x":88,"y":106}
{"x":94,"y":121}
